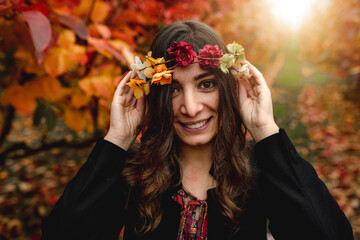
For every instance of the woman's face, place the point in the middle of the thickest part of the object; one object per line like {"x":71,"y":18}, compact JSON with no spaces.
{"x":195,"y":100}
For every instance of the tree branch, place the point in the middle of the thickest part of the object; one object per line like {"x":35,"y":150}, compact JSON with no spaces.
{"x":9,"y":116}
{"x":111,"y":19}
{"x":94,"y":107}
{"x":27,"y":151}
{"x":90,"y":11}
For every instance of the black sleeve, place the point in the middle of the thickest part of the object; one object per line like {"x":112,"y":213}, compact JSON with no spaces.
{"x":92,"y":204}
{"x":297,"y":202}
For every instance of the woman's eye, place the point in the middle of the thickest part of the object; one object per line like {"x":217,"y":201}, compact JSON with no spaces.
{"x":207,"y":84}
{"x":174,"y":89}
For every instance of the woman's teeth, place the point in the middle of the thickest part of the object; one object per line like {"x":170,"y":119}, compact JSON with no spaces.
{"x":196,"y":125}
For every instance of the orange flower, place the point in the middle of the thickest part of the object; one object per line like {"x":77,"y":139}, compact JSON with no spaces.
{"x":156,"y":64}
{"x":140,"y":87}
{"x":163,"y":77}
{"x":160,"y":68}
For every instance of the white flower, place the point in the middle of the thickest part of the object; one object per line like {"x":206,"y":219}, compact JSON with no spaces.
{"x":243,"y":71}
{"x":138,"y":67}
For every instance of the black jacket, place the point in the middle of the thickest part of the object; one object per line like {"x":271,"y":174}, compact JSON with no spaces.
{"x":288,"y":192}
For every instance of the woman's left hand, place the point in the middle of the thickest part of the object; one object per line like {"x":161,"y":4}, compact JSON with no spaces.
{"x":256,"y":106}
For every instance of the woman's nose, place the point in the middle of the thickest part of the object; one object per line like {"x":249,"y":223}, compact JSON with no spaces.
{"x":191,"y":104}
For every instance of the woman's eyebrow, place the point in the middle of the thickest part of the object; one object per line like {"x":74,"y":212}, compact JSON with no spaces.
{"x":197,"y":77}
{"x":203,"y":75}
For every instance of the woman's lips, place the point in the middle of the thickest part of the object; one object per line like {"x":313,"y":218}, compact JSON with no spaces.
{"x":196,"y":127}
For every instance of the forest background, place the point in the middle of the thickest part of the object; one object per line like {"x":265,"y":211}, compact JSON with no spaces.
{"x":60,"y":62}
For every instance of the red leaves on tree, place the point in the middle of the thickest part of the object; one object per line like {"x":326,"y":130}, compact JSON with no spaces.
{"x":40,"y":30}
{"x":75,"y":23}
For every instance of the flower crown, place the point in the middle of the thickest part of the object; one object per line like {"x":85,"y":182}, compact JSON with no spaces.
{"x":154,"y":71}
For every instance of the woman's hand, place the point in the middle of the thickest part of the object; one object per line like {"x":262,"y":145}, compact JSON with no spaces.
{"x":127,"y":113}
{"x":256,"y":105}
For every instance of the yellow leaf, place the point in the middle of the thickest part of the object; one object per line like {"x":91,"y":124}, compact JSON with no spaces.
{"x":87,"y":86}
{"x":78,"y":54}
{"x":82,"y":8}
{"x":100,"y":11}
{"x":22,"y":100}
{"x":57,"y":62}
{"x":103,"y":85}
{"x":52,"y":87}
{"x":74,"y":119}
{"x":100,"y":86}
{"x":66,"y":39}
{"x":79,"y":100}
{"x":110,"y":68}
{"x":36,"y":87}
{"x":46,"y":87}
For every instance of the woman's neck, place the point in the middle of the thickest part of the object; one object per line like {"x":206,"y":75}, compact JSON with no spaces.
{"x":195,"y":163}
{"x":196,"y":156}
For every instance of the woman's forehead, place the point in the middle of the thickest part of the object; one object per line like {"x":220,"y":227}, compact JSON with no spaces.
{"x":190,"y":72}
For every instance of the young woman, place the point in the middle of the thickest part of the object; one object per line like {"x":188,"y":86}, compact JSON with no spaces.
{"x":193,"y":175}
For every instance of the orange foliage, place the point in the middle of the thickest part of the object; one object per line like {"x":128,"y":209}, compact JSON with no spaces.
{"x":330,"y":37}
{"x":63,"y":59}
{"x":75,"y":119}
{"x":20,"y":98}
{"x":332,"y":125}
{"x":331,"y":113}
{"x":67,"y":44}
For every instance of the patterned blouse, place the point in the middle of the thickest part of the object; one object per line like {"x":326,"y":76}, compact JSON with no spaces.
{"x":193,"y":222}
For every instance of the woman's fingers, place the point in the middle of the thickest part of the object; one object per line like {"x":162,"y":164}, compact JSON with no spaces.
{"x":244,"y":89}
{"x":122,"y":85}
{"x":140,"y":103}
{"x":256,"y":75}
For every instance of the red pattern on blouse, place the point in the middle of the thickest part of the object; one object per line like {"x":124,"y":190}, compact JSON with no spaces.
{"x":193,"y":222}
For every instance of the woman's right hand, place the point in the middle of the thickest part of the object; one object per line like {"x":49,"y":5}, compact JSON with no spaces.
{"x":127,"y":113}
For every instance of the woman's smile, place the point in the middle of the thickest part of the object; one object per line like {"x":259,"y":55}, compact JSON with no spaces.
{"x":196,"y":126}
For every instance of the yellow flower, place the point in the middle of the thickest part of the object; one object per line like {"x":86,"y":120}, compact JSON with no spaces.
{"x":238,"y":51}
{"x":149,"y":72}
{"x":140,"y":87}
{"x":235,"y":48}
{"x":226,"y":62}
{"x":146,"y":88}
{"x":164,"y":77}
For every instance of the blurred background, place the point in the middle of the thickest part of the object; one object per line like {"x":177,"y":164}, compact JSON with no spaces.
{"x":61,"y":60}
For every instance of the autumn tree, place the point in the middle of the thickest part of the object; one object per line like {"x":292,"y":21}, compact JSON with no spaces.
{"x":59,"y":64}
{"x":331,"y":111}
{"x":61,"y":60}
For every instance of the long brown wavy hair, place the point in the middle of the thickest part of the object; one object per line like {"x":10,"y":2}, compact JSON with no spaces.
{"x":155,"y":168}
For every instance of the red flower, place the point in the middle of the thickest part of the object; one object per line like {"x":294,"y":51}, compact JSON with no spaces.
{"x":209,"y":56}
{"x":182,"y":53}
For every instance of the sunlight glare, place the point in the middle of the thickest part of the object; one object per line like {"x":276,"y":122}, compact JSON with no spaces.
{"x":291,"y":12}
